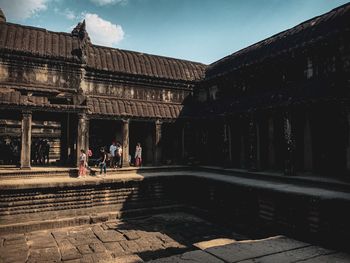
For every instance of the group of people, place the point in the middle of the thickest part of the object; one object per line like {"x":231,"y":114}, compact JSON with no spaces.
{"x":9,"y":151}
{"x":40,"y":152}
{"x":114,"y":158}
{"x":115,"y":151}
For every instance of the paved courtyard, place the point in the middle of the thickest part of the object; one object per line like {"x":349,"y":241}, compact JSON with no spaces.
{"x":163,"y":238}
{"x":150,"y":237}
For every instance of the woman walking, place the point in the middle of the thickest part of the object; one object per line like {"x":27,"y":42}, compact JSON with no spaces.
{"x":138,"y":155}
{"x":82,"y":164}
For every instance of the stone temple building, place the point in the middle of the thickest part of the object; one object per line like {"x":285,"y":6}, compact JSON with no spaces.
{"x":281,"y":104}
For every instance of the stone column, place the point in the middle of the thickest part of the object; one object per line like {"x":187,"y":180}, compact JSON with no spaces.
{"x":82,"y":135}
{"x":307,"y":144}
{"x":289,"y":166}
{"x":271,"y":145}
{"x":348,"y":148}
{"x":157,"y":151}
{"x":125,"y":143}
{"x":183,"y":152}
{"x":229,"y":141}
{"x":253,"y":149}
{"x":26,"y":131}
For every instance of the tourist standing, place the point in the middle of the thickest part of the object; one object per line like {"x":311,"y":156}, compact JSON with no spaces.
{"x":46,"y":152}
{"x":112,"y":150}
{"x":103,"y":160}
{"x":82,"y":164}
{"x":119,"y":152}
{"x":138,"y":154}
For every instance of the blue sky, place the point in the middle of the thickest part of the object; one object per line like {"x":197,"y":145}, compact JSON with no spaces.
{"x":198,"y":30}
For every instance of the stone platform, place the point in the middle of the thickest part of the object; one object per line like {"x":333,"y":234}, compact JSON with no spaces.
{"x":299,"y":208}
{"x":169,"y":238}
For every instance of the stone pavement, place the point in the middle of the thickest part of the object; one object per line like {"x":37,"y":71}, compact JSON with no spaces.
{"x":112,"y":241}
{"x":278,"y":249}
{"x":163,"y":238}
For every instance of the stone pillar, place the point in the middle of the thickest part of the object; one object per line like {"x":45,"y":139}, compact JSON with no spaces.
{"x":125,"y":143}
{"x":183,"y":151}
{"x":26,"y":131}
{"x":229,"y":141}
{"x":82,"y":135}
{"x":253,"y":149}
{"x":348,"y":148}
{"x":307,"y":144}
{"x":157,"y":151}
{"x":289,"y":165}
{"x":271,"y":145}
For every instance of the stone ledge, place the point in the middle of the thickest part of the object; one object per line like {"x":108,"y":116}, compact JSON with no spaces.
{"x":30,"y":226}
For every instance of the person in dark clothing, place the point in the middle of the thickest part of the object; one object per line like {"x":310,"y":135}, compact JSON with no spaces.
{"x":103,"y":160}
{"x":46,"y":149}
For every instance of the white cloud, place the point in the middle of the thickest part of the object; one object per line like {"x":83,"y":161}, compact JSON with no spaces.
{"x":69,"y":14}
{"x":22,"y":9}
{"x":108,"y":2}
{"x":103,"y":32}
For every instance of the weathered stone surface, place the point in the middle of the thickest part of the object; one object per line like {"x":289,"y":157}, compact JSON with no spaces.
{"x":295,"y":255}
{"x":13,"y":254}
{"x":336,"y":258}
{"x":250,"y":249}
{"x":214,"y":243}
{"x":130,"y":246}
{"x":128,"y":259}
{"x":197,"y":256}
{"x":97,"y":247}
{"x":68,"y":251}
{"x":115,"y":248}
{"x":44,"y":255}
{"x":94,"y":244}
{"x":42,"y":239}
{"x":84,"y":249}
{"x":81,"y":237}
{"x":102,"y":257}
{"x":107,"y":235}
{"x":99,"y":218}
{"x":131,"y":234}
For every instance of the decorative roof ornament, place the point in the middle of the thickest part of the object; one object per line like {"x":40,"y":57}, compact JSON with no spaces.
{"x":84,"y":39}
{"x":2,"y":16}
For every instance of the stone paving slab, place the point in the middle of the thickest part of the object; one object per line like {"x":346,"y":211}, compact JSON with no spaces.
{"x":133,"y":240}
{"x":249,"y":249}
{"x":196,"y":256}
{"x":295,"y":255}
{"x":167,"y":238}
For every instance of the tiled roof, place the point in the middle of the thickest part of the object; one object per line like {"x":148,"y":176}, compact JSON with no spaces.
{"x":37,"y":42}
{"x":129,"y":108}
{"x":299,"y":36}
{"x":33,"y":41}
{"x":131,"y":62}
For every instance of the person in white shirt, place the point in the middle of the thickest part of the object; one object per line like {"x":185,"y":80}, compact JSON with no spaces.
{"x":112,"y":151}
{"x":138,"y":154}
{"x":82,"y":164}
{"x":118,"y":154}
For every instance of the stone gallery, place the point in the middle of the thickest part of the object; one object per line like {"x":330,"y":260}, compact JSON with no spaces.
{"x":280,"y":104}
{"x":254,"y":144}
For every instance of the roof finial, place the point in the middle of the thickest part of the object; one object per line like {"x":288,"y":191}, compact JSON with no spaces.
{"x":80,"y":30}
{"x":2,"y":16}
